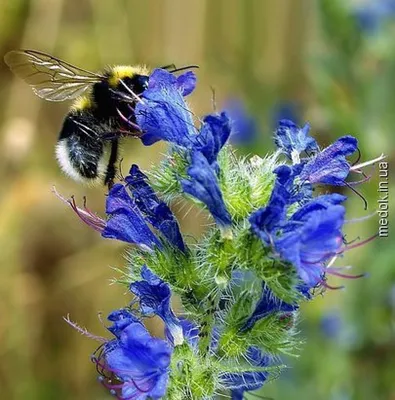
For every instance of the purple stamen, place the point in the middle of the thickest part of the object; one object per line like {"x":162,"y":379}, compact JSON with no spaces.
{"x":336,"y":273}
{"x":365,"y":179}
{"x":327,"y":286}
{"x":84,"y":331}
{"x":87,"y":216}
{"x":353,"y":246}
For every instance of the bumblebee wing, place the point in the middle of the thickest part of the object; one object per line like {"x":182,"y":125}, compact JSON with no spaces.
{"x":50,"y":78}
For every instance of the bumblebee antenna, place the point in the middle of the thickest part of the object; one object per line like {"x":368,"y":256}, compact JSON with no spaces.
{"x":182,"y":68}
{"x":168,"y":66}
{"x":365,"y":202}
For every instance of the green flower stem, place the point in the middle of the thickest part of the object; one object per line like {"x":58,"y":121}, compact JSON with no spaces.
{"x":208,"y":321}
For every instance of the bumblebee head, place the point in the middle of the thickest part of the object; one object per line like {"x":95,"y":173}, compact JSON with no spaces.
{"x":137,"y":83}
{"x":134,"y":77}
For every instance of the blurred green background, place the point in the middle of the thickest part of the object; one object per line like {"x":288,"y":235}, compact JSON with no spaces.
{"x":328,"y":62}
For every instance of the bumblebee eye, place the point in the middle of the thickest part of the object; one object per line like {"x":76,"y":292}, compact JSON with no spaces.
{"x":140,"y":83}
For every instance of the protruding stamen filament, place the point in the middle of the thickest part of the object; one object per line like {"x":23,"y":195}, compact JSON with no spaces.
{"x":83,"y":331}
{"x":86,"y":215}
{"x":358,"y":167}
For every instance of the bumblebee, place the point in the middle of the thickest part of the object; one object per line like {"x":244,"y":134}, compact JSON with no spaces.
{"x":88,"y":144}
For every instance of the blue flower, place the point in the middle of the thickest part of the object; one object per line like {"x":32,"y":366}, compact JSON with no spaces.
{"x":318,"y":203}
{"x":213,"y":135}
{"x":203,"y":185}
{"x":130,"y":213}
{"x":371,"y":15}
{"x":125,"y":220}
{"x":293,"y":140}
{"x":311,"y":235}
{"x":243,"y":126}
{"x":330,"y":165}
{"x":134,"y":365}
{"x":162,"y":79}
{"x":154,"y":210}
{"x":239,"y":383}
{"x":311,"y":242}
{"x":163,"y":114}
{"x":266,"y":221}
{"x":154,"y":296}
{"x":186,"y":83}
{"x":120,"y":319}
{"x":268,"y":304}
{"x":299,"y":191}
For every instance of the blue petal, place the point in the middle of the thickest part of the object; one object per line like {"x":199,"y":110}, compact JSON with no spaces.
{"x":145,"y":196}
{"x":163,"y":113}
{"x":330,"y":165}
{"x":291,"y":138}
{"x":139,"y":361}
{"x":213,"y":135}
{"x":316,"y":204}
{"x":125,"y":221}
{"x":305,"y":290}
{"x":310,"y":244}
{"x":162,"y":79}
{"x":154,"y":296}
{"x":289,"y":178}
{"x":155,"y":211}
{"x":265,"y":221}
{"x":203,"y":185}
{"x":371,"y":15}
{"x":186,"y":83}
{"x":268,"y":304}
{"x":120,"y":319}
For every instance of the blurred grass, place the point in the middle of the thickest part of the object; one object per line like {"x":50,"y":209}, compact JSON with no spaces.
{"x":265,"y":52}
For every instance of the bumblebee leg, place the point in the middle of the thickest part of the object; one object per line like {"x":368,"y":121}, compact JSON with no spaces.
{"x":111,"y":136}
{"x":111,"y":168}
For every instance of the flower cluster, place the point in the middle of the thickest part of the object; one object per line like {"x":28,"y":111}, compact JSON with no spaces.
{"x":370,"y":16}
{"x":271,"y":244}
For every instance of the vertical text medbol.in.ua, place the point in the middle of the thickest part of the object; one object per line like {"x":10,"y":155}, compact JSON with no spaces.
{"x":382,"y":202}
